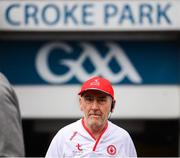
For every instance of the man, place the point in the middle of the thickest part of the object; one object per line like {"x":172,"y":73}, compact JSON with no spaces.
{"x":11,"y":135}
{"x":93,"y":135}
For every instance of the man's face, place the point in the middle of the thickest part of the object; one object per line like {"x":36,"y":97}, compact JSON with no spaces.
{"x":96,"y":106}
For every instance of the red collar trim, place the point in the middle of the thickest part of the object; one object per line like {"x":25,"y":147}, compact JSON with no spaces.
{"x":98,"y":139}
{"x":83,"y":123}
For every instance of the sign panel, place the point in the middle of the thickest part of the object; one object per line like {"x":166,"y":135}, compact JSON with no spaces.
{"x":73,"y":15}
{"x":44,"y":62}
{"x":47,"y":76}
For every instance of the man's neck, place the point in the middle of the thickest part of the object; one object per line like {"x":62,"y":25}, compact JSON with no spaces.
{"x":95,"y":130}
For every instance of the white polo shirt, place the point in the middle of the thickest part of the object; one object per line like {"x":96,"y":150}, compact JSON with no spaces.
{"x":75,"y":140}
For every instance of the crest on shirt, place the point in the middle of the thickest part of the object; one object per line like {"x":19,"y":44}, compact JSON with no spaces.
{"x":111,"y":149}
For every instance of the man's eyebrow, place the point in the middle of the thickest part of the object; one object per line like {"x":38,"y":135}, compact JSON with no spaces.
{"x":87,"y":95}
{"x":103,"y":96}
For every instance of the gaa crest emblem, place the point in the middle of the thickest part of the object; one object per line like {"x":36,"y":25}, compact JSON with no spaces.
{"x":111,"y":149}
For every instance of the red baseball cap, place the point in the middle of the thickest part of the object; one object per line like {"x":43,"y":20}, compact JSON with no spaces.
{"x":98,"y":83}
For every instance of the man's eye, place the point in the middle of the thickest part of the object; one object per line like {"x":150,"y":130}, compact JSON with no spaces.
{"x":88,"y":98}
{"x":102,"y":99}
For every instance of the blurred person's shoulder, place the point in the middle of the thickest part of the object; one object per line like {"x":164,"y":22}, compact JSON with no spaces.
{"x":3,"y":79}
{"x":4,"y":83}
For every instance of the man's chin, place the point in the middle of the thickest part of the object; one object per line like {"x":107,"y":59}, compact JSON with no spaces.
{"x":94,"y":121}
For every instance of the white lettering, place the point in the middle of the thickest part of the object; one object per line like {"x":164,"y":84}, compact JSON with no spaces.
{"x":43,"y":66}
{"x":76,"y":68}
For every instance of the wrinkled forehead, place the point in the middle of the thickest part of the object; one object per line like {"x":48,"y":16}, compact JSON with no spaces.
{"x":96,"y":93}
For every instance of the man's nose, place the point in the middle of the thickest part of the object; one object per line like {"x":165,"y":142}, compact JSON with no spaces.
{"x":95,"y":104}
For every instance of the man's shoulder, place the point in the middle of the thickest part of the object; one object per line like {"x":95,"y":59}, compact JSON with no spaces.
{"x":73,"y":125}
{"x":117,"y":130}
{"x":70,"y":128}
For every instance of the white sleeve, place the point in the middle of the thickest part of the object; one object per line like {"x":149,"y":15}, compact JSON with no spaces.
{"x":131,"y":151}
{"x":56,"y":147}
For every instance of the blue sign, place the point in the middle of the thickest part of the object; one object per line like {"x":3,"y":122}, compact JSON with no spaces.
{"x":130,"y":62}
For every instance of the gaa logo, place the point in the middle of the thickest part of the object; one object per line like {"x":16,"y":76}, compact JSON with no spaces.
{"x":111,"y":149}
{"x":76,"y":67}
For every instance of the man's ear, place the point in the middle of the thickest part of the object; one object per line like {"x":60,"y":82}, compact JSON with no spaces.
{"x":113,"y":106}
{"x":80,"y":103}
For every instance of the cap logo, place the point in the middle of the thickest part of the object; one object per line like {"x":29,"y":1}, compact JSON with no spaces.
{"x":95,"y":83}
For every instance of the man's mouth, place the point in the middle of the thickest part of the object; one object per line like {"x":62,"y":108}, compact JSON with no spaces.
{"x":95,"y":115}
